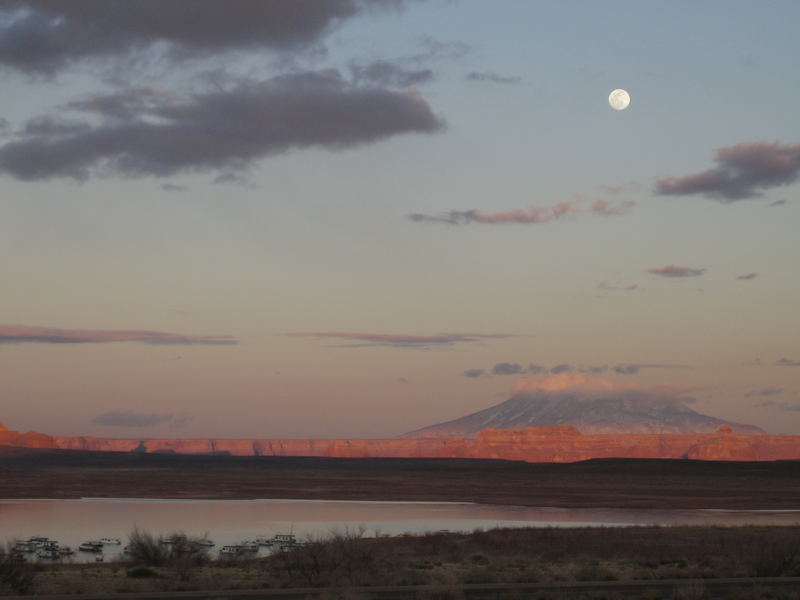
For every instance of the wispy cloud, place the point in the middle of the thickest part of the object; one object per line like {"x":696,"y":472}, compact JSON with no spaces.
{"x":505,"y":368}
{"x":527,"y":216}
{"x":624,"y":288}
{"x":788,"y":406}
{"x":785,"y":362}
{"x":389,"y":73}
{"x":623,"y":188}
{"x":401,"y":340}
{"x":19,"y":334}
{"x":509,"y":368}
{"x":743,"y":171}
{"x":747,"y":276}
{"x":171,"y":187}
{"x":473,"y":373}
{"x":130,"y":418}
{"x":676,"y":271}
{"x":491,"y":77}
{"x":605,"y":208}
{"x":769,"y":390}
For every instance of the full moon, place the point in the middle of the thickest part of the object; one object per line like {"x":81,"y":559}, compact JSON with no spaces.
{"x":619,"y":99}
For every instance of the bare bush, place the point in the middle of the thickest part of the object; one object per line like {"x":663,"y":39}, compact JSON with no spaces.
{"x":16,"y":574}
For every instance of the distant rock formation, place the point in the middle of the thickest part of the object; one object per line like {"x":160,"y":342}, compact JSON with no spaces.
{"x":563,"y":443}
{"x":604,"y":411}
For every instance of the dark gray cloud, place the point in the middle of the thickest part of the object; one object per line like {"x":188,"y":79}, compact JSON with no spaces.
{"x":562,"y":368}
{"x":676,"y":271}
{"x":634,"y":368}
{"x":769,"y":390}
{"x":785,"y":362}
{"x":131,"y":419}
{"x":389,"y":73}
{"x":490,"y":77}
{"x":743,"y":171}
{"x":747,"y":276}
{"x":395,"y":340}
{"x":778,"y":203}
{"x":505,"y":368}
{"x":20,"y":334}
{"x":171,"y":187}
{"x":535,"y":369}
{"x":473,"y":373}
{"x":148,"y":131}
{"x":780,"y":405}
{"x":43,"y":36}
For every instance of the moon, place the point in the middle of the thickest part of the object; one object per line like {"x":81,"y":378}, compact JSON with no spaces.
{"x":619,"y":99}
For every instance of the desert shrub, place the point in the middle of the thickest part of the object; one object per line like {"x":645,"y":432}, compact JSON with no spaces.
{"x":15,"y":574}
{"x":183,"y":554}
{"x":342,"y":558}
{"x":147,"y":548}
{"x":776,"y":557}
{"x":141,"y":573}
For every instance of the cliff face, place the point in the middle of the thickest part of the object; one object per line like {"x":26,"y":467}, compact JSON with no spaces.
{"x":533,"y":444}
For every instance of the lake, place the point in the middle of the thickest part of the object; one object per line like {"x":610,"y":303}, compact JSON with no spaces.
{"x":72,"y":522}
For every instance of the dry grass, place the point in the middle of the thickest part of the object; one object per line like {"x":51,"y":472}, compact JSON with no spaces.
{"x":349,"y":559}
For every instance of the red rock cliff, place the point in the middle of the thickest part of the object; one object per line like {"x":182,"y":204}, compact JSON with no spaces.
{"x":532,"y":444}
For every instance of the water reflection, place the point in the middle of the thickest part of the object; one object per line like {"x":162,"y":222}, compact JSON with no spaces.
{"x":72,"y":522}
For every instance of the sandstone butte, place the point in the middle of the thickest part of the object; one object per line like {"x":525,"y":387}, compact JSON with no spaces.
{"x":533,"y":444}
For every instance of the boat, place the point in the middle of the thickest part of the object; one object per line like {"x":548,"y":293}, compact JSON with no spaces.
{"x":66,"y":551}
{"x":263,"y":540}
{"x":25,"y":547}
{"x":110,"y":541}
{"x":284,"y":538}
{"x":51,"y":554}
{"x":248,"y":546}
{"x":91,"y":547}
{"x":207,"y":543}
{"x":232,"y":549}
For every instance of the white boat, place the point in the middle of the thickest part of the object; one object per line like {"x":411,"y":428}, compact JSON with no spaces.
{"x":110,"y":541}
{"x":66,"y":551}
{"x":53,"y":554}
{"x":263,"y":540}
{"x":207,"y":543}
{"x":233,"y":549}
{"x":284,"y":538}
{"x":91,"y":547}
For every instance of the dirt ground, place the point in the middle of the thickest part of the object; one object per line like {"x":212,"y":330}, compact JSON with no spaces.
{"x":624,"y":483}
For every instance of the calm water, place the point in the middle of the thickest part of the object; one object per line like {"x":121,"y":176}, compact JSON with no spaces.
{"x":72,"y":522}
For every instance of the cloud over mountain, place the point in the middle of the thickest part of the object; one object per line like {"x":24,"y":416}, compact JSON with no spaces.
{"x":19,"y":334}
{"x":743,"y":171}
{"x":151,"y":131}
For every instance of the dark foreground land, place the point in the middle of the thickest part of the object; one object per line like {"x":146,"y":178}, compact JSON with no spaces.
{"x":589,"y":563}
{"x":625,"y":483}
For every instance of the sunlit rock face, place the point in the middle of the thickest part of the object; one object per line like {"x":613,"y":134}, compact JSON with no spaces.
{"x":563,"y":443}
{"x":592,"y":404}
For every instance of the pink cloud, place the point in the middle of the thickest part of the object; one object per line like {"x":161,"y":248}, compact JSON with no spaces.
{"x":534,"y":214}
{"x":16,"y":334}
{"x":676,"y":271}
{"x":606,"y":208}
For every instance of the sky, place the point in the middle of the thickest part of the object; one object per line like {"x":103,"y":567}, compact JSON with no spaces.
{"x":356,"y":218}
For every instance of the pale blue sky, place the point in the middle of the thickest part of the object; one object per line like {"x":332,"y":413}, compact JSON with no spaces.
{"x":319,"y":240}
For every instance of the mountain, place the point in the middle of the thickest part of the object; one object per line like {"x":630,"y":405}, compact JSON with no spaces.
{"x":613,"y":412}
